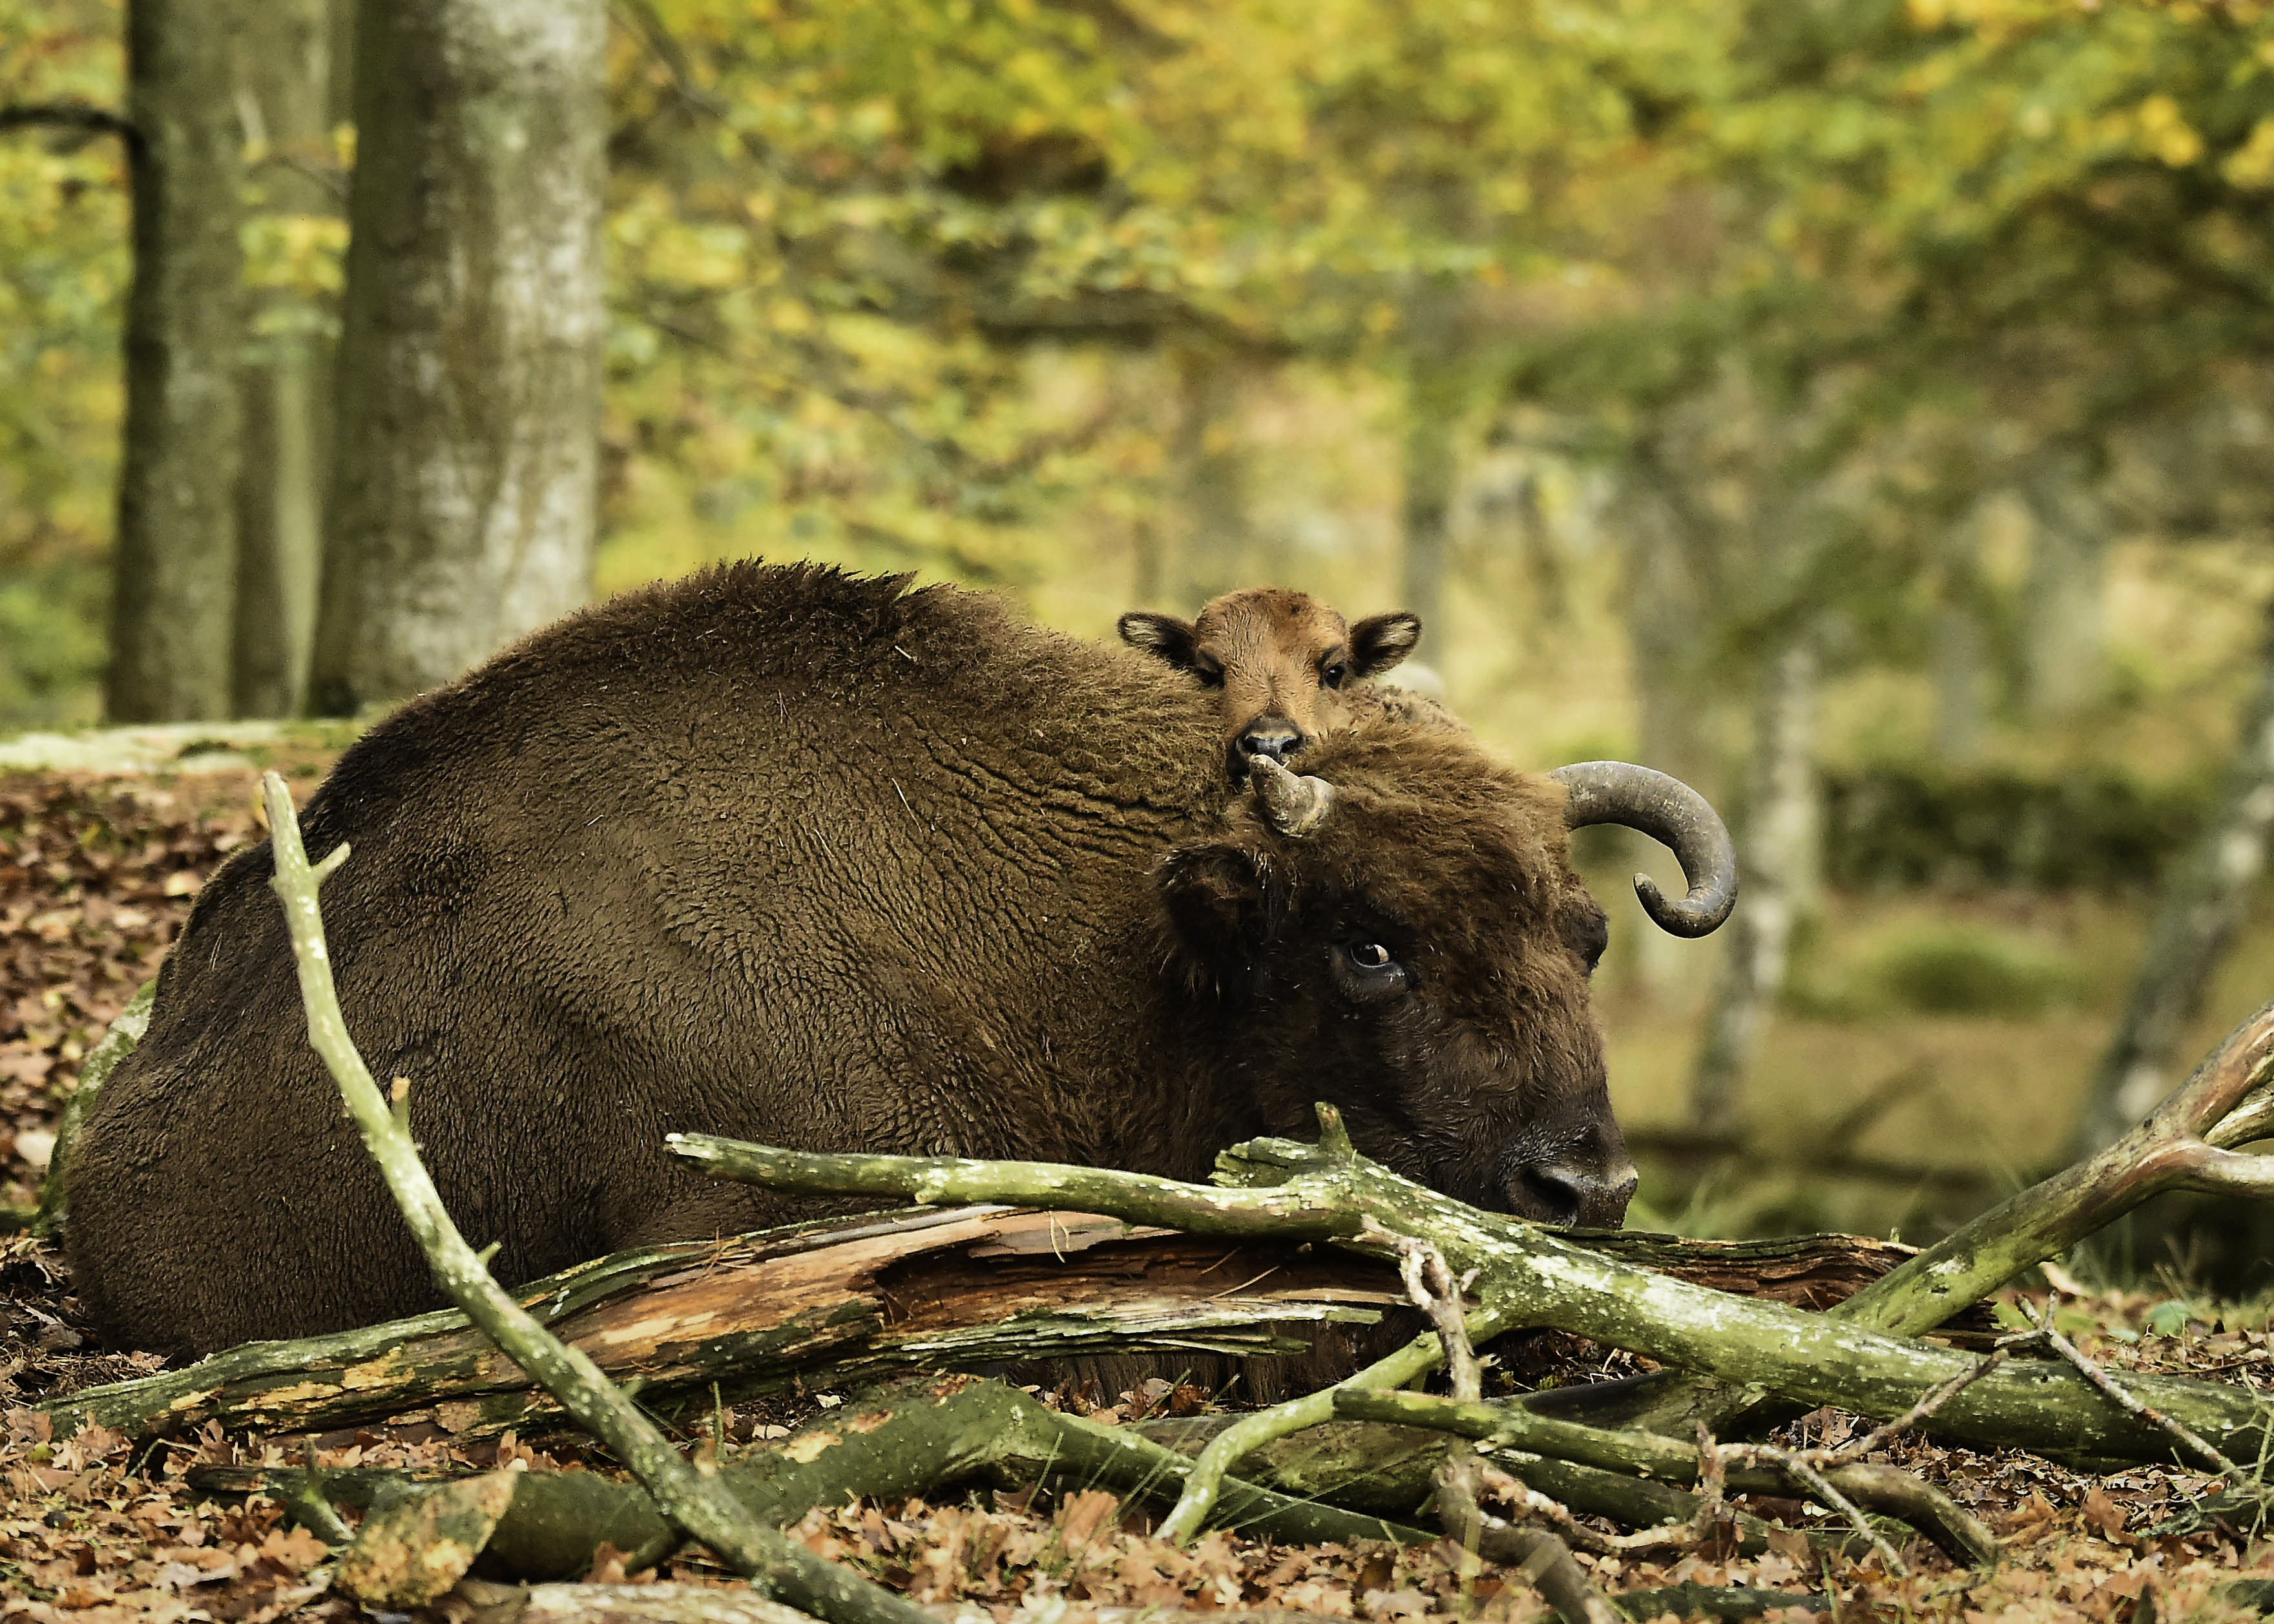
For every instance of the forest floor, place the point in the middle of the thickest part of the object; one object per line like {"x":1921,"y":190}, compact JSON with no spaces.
{"x":97,"y":874}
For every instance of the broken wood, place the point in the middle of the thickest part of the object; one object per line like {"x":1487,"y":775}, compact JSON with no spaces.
{"x":832,"y":1304}
{"x":846,"y":1301}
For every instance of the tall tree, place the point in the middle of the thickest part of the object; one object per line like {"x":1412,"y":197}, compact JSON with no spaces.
{"x":463,"y":497}
{"x":175,"y":567}
{"x":284,"y":94}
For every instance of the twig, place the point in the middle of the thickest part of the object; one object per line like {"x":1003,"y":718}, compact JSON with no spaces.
{"x":1934,"y":1399}
{"x":694,"y":1501}
{"x":1821,"y":1487}
{"x":1511,"y":1491}
{"x":2179,"y":1146}
{"x":1542,"y":1559}
{"x":1250,"y":1433}
{"x":1430,"y":1286}
{"x":1711,"y":1480}
{"x":2100,"y":1379}
{"x":1662,"y":1460}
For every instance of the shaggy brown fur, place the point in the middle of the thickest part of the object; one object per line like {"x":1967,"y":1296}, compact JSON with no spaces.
{"x":824,"y":862}
{"x":1288,"y":668}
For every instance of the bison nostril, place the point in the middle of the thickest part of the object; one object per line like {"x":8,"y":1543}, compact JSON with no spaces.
{"x":1559,"y":1192}
{"x":1277,"y":741}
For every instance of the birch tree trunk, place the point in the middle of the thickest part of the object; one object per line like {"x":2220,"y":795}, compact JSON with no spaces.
{"x":175,"y":565}
{"x":1778,"y":856}
{"x":2203,"y":902}
{"x":464,"y":490}
{"x":285,"y":86}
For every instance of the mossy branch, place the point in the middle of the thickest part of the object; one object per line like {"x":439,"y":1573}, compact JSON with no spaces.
{"x":1530,"y":1276}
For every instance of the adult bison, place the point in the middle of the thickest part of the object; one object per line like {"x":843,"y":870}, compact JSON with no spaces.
{"x":818,"y":861}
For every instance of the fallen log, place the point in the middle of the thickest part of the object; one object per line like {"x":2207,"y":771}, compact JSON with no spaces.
{"x":1528,"y":1276}
{"x":844,"y":1301}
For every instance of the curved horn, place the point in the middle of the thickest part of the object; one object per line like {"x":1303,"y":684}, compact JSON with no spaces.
{"x":1672,"y":813}
{"x":1295,"y":806}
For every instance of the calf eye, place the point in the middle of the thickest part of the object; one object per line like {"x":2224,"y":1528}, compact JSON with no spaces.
{"x":1209,"y":670}
{"x":1333,"y":675}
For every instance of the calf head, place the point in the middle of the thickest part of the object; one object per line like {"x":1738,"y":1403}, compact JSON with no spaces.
{"x":1402,"y":934}
{"x":1283,"y":659}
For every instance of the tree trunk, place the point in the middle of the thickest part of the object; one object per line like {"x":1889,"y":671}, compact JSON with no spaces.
{"x":2068,"y":578}
{"x":2202,"y":904}
{"x":175,"y":567}
{"x":1780,"y":866}
{"x":285,"y":84}
{"x":464,"y":490}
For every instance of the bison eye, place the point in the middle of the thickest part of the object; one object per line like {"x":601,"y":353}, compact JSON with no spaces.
{"x":1334,"y":676}
{"x":1368,"y":972}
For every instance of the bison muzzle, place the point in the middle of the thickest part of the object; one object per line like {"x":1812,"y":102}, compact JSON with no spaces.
{"x":798,"y":857}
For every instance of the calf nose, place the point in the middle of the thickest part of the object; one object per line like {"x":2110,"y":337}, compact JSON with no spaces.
{"x":1567,"y":1193}
{"x":1270,"y":735}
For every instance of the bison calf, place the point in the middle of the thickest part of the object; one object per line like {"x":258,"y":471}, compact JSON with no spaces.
{"x":1286,"y":667}
{"x":817,"y":861}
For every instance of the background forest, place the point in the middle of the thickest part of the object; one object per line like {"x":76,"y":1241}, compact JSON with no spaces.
{"x":1858,"y":408}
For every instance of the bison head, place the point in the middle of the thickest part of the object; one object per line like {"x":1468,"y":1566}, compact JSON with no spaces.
{"x":1283,"y":660}
{"x":1402,"y":934}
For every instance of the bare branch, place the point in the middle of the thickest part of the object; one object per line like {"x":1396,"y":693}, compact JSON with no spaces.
{"x":2130,"y":1402}
{"x":1934,"y":1399}
{"x":81,"y":115}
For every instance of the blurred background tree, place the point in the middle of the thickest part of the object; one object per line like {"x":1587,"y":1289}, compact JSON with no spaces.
{"x":1858,"y":408}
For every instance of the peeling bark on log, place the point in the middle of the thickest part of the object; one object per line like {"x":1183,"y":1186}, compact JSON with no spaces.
{"x":840,"y":1301}
{"x":843,"y":1301}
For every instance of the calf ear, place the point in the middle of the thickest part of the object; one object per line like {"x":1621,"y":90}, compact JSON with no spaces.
{"x":1161,"y":636}
{"x":1217,"y":895}
{"x":1379,"y":642}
